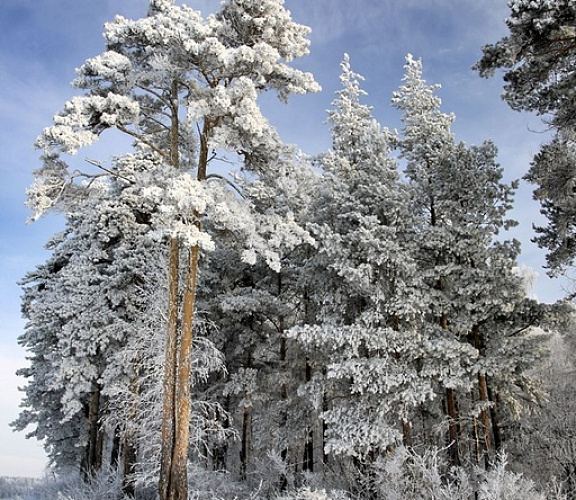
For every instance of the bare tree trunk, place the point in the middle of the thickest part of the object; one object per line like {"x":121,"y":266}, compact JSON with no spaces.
{"x":93,"y":455}
{"x":169,"y":410}
{"x":179,"y":466}
{"x":245,"y":437}
{"x":485,"y":418}
{"x":484,"y":397}
{"x":453,"y":427}
{"x":451,"y":410}
{"x":308,"y":462}
{"x":173,"y":483}
{"x":170,"y":365}
{"x":406,"y":433}
{"x":494,"y":417}
{"x":128,"y":466}
{"x":129,"y":449}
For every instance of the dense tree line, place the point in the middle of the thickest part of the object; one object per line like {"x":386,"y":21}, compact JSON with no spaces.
{"x":297,"y":324}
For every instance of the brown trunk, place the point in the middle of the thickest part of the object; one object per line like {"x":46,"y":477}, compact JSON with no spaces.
{"x":406,"y":433}
{"x":451,"y":409}
{"x":484,"y":397}
{"x":453,"y":427}
{"x":169,"y":382}
{"x":173,"y":483}
{"x":115,"y":452}
{"x":484,"y":417}
{"x":93,"y":455}
{"x":308,"y":463}
{"x":245,"y":444}
{"x":129,"y":450}
{"x":128,"y":465}
{"x":494,"y":417}
{"x":178,"y":472}
{"x":171,"y":351}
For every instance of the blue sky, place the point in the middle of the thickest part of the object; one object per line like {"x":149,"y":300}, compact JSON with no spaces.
{"x":41,"y":42}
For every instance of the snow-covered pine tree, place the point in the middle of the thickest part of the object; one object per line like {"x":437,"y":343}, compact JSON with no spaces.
{"x":90,"y":303}
{"x":472,"y":292}
{"x":183,"y":87}
{"x":537,"y":58}
{"x":362,"y":342}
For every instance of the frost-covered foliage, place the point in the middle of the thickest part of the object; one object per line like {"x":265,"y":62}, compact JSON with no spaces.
{"x":537,"y":57}
{"x":350,"y":326}
{"x":362,"y":338}
{"x":544,"y":444}
{"x":403,"y":475}
{"x":476,"y":303}
{"x":184,"y":88}
{"x":553,"y":171}
{"x":84,"y":307}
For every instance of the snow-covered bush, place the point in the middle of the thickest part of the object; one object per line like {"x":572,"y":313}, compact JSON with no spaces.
{"x":404,"y":475}
{"x":306,"y":493}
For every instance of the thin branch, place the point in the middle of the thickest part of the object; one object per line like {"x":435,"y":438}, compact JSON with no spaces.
{"x":158,"y":95}
{"x":143,"y":141}
{"x":111,"y":172}
{"x":227,"y":181}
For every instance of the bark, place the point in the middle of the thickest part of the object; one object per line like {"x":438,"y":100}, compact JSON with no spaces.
{"x":115,"y":452}
{"x":494,"y":418}
{"x":451,"y":410}
{"x":129,"y":449}
{"x":484,"y":417}
{"x":407,"y":433}
{"x":168,"y":438}
{"x":178,"y":472}
{"x":173,"y":482}
{"x":484,"y":397}
{"x":245,"y":444}
{"x":220,"y":449}
{"x":93,"y":455}
{"x":128,"y":466}
{"x":308,"y":463}
{"x":453,"y":427}
{"x":169,"y":383}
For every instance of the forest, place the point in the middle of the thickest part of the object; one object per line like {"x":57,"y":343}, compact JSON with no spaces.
{"x":224,"y":317}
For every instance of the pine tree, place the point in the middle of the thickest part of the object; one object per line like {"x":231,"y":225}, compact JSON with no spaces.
{"x":86,"y":303}
{"x":461,"y":203}
{"x":181,"y":87}
{"x":362,"y":342}
{"x":537,"y":59}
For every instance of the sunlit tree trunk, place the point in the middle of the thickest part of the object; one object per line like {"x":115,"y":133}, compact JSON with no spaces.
{"x":171,"y":349}
{"x":178,"y":472}
{"x":173,"y":483}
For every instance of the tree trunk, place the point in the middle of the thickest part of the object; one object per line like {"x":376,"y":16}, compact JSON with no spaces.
{"x":171,"y":357}
{"x":308,"y":462}
{"x":453,"y":427}
{"x":93,"y":455}
{"x":170,"y":365}
{"x":179,"y":466}
{"x":128,"y":466}
{"x":407,"y":433}
{"x":245,"y":443}
{"x":451,"y":410}
{"x":484,"y":397}
{"x":485,"y":418}
{"x":494,"y":417}
{"x":173,"y":483}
